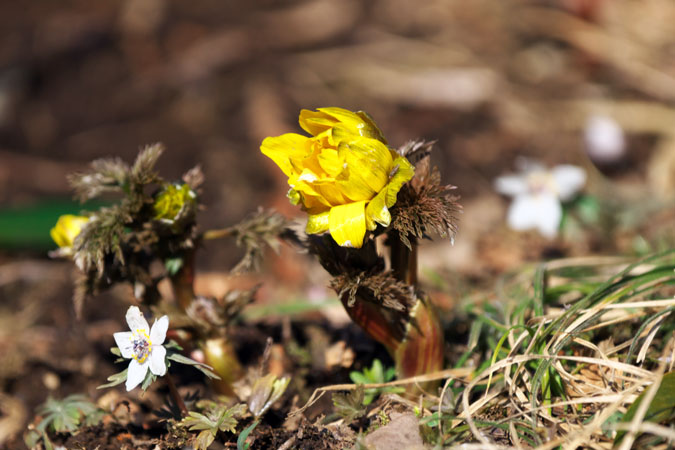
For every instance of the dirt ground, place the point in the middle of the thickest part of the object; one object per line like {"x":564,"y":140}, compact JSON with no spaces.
{"x":488,"y":80}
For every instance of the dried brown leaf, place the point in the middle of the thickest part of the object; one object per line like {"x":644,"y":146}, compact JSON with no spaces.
{"x":424,"y":205}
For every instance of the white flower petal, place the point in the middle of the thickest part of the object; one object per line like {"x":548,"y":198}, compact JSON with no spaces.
{"x":511,"y":185}
{"x":542,"y":211}
{"x":136,"y":373}
{"x":522,"y":212}
{"x":549,"y":214}
{"x":124,"y":340}
{"x":158,"y":331}
{"x":569,"y":180}
{"x":604,"y":139}
{"x":157,"y":363}
{"x":136,"y":320}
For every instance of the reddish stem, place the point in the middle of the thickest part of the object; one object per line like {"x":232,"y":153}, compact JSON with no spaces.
{"x":183,"y":281}
{"x":175,"y":395}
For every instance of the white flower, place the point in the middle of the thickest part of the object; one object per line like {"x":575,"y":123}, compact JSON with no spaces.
{"x":143,"y":345}
{"x":537,"y":195}
{"x":604,"y":139}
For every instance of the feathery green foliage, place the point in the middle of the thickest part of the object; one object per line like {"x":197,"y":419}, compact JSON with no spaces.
{"x":350,"y":406}
{"x":66,"y":415}
{"x":215,"y":418}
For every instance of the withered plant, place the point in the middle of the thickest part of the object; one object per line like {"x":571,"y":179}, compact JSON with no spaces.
{"x":148,"y":233}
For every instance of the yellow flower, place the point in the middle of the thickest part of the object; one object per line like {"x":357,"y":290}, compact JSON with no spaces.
{"x":170,"y":202}
{"x":345,"y":176}
{"x":66,"y":229}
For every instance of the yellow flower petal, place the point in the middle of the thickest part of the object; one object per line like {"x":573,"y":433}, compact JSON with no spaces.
{"x":307,"y":191}
{"x":315,"y":122}
{"x":377,"y":212}
{"x":285,"y":148}
{"x":403,"y":171}
{"x":370,"y":129}
{"x":331,"y":162}
{"x":67,"y":228}
{"x":324,"y":190}
{"x":347,"y":224}
{"x":369,"y":160}
{"x":358,"y":123}
{"x":332,"y":193}
{"x":324,"y":119}
{"x":354,"y":186}
{"x":317,"y":223}
{"x":314,"y":204}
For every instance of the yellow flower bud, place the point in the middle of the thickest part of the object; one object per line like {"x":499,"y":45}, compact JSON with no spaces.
{"x":172,"y":200}
{"x":345,"y":176}
{"x":66,"y":229}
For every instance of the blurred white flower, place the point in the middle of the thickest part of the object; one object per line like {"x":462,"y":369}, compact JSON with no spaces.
{"x":604,"y":139}
{"x":537,"y":195}
{"x":143,"y":345}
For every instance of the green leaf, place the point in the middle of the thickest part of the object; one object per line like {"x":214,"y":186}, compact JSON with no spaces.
{"x":660,"y":410}
{"x":374,"y":375}
{"x":359,"y":378}
{"x":377,"y":371}
{"x":241,"y":440}
{"x":115,"y":379}
{"x":588,"y":208}
{"x":173,"y":265}
{"x":227,"y":421}
{"x":197,"y":422}
{"x":173,"y":345}
{"x":32,"y":438}
{"x":265,"y":392}
{"x":205,"y":369}
{"x":204,"y":439}
{"x":215,"y":418}
{"x":68,"y":414}
{"x":350,"y":406}
{"x":149,"y":379}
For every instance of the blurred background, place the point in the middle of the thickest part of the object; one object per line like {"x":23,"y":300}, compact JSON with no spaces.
{"x":489,"y":80}
{"x":583,"y":82}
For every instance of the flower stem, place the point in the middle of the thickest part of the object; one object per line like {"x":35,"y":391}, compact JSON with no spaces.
{"x":175,"y":395}
{"x":421,"y":351}
{"x":218,"y":351}
{"x":404,"y":259}
{"x":183,"y":281}
{"x":218,"y":233}
{"x":374,"y":321}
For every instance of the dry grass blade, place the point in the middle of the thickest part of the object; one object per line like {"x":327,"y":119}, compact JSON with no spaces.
{"x":648,"y":427}
{"x":456,"y":374}
{"x":642,"y":410}
{"x":566,"y":375}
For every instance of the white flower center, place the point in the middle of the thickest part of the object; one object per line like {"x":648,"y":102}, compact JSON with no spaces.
{"x":142,"y":345}
{"x":540,"y":182}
